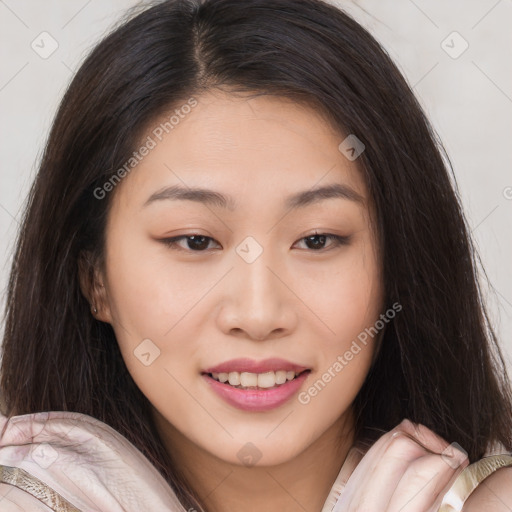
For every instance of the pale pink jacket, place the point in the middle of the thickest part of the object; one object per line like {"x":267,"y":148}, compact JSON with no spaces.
{"x":90,"y":466}
{"x":71,"y":462}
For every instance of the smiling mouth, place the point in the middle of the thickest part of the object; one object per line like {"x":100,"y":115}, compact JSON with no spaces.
{"x":258,"y":381}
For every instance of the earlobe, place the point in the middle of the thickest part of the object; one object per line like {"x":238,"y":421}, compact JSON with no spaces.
{"x":100,"y":304}
{"x":93,"y":288}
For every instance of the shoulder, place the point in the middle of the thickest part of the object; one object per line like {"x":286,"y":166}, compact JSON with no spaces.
{"x":494,"y":494}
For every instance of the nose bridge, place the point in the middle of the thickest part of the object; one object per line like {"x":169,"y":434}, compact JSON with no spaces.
{"x":259,"y":303}
{"x":258,"y":284}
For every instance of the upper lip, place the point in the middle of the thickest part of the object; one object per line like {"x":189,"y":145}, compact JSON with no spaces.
{"x":251,"y":366}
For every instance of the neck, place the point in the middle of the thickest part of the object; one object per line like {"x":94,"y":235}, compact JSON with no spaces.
{"x":302,"y":483}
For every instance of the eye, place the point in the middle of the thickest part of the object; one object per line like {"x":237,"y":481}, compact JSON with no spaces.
{"x":199,"y":243}
{"x":195,"y":242}
{"x":317,"y":241}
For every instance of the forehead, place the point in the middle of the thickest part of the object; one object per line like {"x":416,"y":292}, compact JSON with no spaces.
{"x":262,"y":147}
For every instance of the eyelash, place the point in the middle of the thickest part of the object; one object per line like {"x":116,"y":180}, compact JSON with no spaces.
{"x":338,"y":241}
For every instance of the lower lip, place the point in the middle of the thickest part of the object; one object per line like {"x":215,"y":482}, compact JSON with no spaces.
{"x":257,"y":400}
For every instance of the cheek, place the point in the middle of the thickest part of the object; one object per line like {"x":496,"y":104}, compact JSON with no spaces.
{"x":345,"y":354}
{"x":345,"y":294}
{"x":151,"y":303}
{"x":147,"y":292}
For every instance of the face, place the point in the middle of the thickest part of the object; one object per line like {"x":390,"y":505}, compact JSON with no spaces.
{"x":268,"y":282}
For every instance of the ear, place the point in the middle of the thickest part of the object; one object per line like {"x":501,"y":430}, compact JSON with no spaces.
{"x":93,"y":287}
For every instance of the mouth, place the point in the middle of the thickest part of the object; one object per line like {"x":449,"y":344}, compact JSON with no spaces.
{"x":256,"y":392}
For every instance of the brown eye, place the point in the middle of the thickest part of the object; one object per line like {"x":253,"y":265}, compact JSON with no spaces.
{"x":195,"y":243}
{"x":316,"y":242}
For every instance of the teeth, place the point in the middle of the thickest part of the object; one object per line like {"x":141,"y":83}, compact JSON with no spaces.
{"x":248,"y":379}
{"x":234,"y":378}
{"x":280,"y":377}
{"x":255,"y":380}
{"x":266,"y":380}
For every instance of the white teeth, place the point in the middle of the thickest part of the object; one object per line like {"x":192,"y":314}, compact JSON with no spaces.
{"x":253,"y":380}
{"x":267,"y":380}
{"x":280,"y":377}
{"x":234,"y":378}
{"x":248,"y":379}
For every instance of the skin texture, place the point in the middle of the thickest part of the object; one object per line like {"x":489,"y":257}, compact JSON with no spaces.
{"x":200,"y":309}
{"x":294,"y":302}
{"x":494,"y":493}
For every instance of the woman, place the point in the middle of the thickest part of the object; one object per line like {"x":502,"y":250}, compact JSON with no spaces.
{"x":243,"y":277}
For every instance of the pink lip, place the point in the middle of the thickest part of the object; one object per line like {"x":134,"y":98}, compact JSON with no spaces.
{"x":257,"y":400}
{"x":251,"y":366}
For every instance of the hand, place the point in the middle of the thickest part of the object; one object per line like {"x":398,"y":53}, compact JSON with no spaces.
{"x":404,"y":471}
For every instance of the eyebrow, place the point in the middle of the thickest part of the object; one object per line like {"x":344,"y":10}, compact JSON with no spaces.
{"x":216,"y":199}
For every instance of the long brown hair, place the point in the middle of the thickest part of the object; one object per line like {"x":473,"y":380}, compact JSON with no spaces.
{"x":439,"y":363}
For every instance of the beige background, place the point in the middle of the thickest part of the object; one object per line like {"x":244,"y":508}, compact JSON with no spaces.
{"x":468,"y":99}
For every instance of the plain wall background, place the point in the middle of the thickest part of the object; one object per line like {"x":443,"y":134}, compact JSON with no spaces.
{"x":468,"y":98}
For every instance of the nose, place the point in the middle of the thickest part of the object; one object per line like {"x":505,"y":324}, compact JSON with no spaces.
{"x":257,"y":302}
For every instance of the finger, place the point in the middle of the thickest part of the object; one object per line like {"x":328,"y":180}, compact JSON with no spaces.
{"x":425,"y":437}
{"x":424,"y":484}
